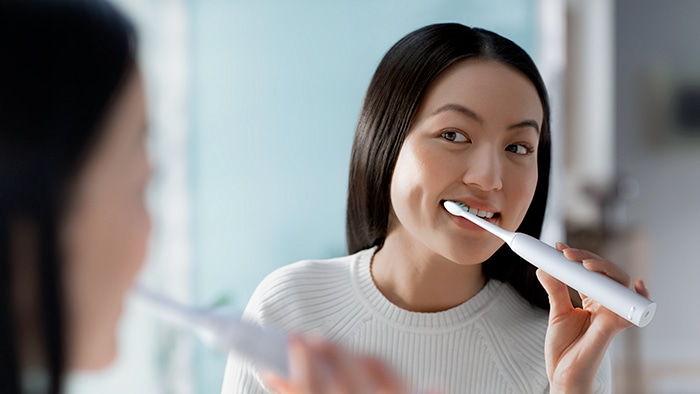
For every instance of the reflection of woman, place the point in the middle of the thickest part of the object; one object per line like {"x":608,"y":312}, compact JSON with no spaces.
{"x":452,"y":113}
{"x":73,"y":174}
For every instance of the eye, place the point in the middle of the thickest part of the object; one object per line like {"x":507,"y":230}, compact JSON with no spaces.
{"x":520,"y":149}
{"x":454,"y":136}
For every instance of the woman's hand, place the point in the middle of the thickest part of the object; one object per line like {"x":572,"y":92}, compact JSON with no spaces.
{"x":577,"y":338}
{"x":320,"y":367}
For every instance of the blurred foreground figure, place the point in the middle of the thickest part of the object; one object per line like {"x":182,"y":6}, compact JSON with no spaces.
{"x":74,"y":226}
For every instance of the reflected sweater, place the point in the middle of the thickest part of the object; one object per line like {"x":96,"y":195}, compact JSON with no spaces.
{"x":492,"y":343}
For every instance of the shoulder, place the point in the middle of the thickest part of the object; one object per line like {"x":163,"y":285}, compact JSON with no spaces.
{"x":294,"y":294}
{"x":305,"y":274}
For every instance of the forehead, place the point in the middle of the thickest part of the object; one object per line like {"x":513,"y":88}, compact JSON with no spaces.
{"x":495,"y":91}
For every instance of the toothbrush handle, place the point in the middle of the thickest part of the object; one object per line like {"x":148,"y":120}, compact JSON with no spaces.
{"x":609,"y":293}
{"x":265,"y":348}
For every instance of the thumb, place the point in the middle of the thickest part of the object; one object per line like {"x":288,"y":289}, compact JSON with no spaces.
{"x":276,"y":384}
{"x":559,"y":298}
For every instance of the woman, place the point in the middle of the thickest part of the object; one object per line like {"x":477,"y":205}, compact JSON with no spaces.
{"x":452,"y":113}
{"x":73,"y":173}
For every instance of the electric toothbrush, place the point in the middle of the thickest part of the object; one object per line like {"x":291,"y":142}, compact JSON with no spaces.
{"x":609,"y":293}
{"x":264,"y":347}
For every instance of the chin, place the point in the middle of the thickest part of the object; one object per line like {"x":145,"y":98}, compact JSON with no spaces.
{"x":468,"y":254}
{"x":101,"y":359}
{"x":98,"y":353}
{"x":94,"y":362}
{"x":103,"y":362}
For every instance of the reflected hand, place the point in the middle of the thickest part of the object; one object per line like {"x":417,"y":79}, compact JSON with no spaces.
{"x":577,"y":338}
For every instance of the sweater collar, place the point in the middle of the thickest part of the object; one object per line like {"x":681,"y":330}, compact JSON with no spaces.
{"x":453,"y":318}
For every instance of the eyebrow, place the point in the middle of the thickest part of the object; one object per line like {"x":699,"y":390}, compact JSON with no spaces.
{"x":526,"y":123}
{"x":471,"y":114}
{"x":459,"y":108}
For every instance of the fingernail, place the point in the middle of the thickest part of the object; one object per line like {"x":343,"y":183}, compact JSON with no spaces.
{"x":641,"y":282}
{"x":295,"y":342}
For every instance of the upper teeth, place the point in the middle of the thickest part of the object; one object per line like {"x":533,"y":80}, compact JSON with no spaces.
{"x":481,"y":213}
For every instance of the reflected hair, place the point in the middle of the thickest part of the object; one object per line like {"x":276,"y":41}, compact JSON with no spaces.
{"x":390,"y":105}
{"x":62,"y":64}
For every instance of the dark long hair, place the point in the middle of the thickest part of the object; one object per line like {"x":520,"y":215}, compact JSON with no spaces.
{"x":62,"y":63}
{"x":392,"y":99}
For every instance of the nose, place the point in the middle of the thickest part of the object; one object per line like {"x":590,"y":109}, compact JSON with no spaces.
{"x":483,"y":169}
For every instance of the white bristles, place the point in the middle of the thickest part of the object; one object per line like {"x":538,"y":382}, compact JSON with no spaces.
{"x":458,"y":209}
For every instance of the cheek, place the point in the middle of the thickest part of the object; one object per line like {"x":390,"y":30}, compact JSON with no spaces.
{"x":128,"y":220}
{"x":108,"y":236}
{"x":128,"y":242}
{"x":417,"y":178}
{"x":406,"y":189}
{"x":521,"y":190}
{"x":105,"y":251}
{"x":125,"y":245}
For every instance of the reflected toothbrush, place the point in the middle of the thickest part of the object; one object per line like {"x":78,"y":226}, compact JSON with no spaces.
{"x":609,"y":293}
{"x":264,"y":347}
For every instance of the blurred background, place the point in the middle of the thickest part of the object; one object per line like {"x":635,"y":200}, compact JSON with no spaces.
{"x":254,"y":104}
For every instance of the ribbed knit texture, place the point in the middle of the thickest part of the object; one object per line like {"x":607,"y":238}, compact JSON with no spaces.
{"x":493,"y":343}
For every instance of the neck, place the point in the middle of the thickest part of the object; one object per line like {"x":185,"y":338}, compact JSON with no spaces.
{"x":417,"y":279}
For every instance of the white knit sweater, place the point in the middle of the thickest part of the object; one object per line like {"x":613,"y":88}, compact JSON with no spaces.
{"x":493,"y":343}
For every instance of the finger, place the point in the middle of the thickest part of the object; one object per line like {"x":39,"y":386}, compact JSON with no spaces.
{"x":574,"y":254}
{"x":384,"y":380}
{"x":559,"y":300}
{"x":560,"y":246}
{"x":608,"y":269}
{"x":298,"y":362}
{"x":307,"y":373}
{"x":346,"y":375}
{"x":276,"y":384}
{"x":641,"y":288}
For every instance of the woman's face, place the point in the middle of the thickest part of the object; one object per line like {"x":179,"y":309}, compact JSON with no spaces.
{"x":474,"y":140}
{"x":107,"y":230}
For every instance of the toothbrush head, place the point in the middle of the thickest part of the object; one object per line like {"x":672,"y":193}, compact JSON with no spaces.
{"x":457,"y":208}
